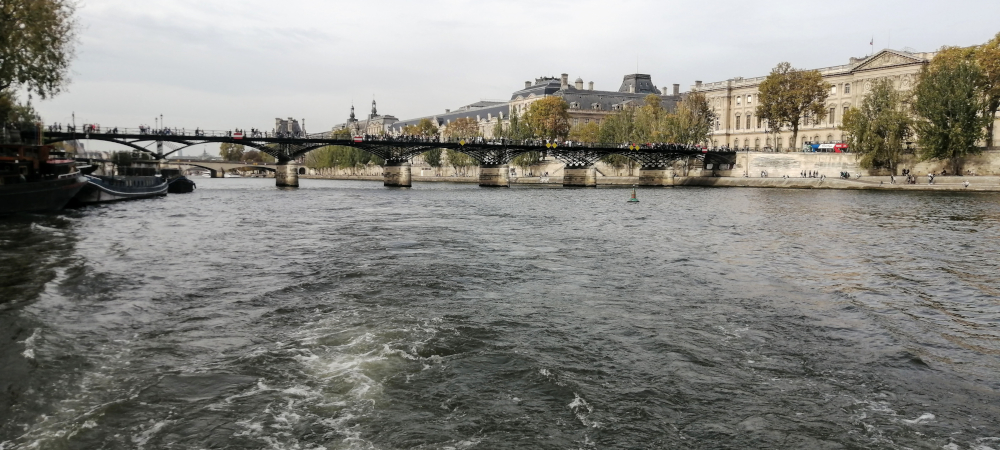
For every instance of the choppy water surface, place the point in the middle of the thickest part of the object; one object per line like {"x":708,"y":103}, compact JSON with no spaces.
{"x":344,"y":315}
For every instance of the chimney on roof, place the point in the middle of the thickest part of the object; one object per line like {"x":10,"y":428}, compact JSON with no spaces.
{"x":677,"y":89}
{"x":564,"y":83}
{"x":591,"y":85}
{"x":447,"y":111}
{"x":697,"y":84}
{"x":579,"y":84}
{"x":527,"y":84}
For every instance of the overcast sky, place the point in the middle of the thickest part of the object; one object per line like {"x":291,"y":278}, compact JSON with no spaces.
{"x":219,"y":64}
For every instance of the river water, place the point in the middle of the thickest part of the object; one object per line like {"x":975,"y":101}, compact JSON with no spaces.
{"x":344,"y":315}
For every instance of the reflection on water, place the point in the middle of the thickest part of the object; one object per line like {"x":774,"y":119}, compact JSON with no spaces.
{"x":343,"y":315}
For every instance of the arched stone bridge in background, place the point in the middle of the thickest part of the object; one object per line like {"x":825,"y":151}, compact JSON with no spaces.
{"x":494,"y":156}
{"x":218,"y":168}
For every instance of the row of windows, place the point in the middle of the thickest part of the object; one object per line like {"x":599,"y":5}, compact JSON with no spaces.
{"x":778,"y":142}
{"x":745,"y":122}
{"x":750,"y":97}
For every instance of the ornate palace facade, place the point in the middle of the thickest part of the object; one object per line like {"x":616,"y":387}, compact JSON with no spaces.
{"x":735,"y":101}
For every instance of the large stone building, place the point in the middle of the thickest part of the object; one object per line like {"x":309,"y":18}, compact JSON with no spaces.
{"x":586,"y":105}
{"x":735,"y":101}
{"x":374,"y":124}
{"x":590,"y":105}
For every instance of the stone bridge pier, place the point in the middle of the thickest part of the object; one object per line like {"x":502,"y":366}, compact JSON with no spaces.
{"x":217,"y":173}
{"x":397,"y":174}
{"x":286,"y":174}
{"x":580,"y":176}
{"x":494,"y":175}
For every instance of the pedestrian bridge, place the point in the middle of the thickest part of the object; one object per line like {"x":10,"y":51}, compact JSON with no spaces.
{"x":656,"y":160}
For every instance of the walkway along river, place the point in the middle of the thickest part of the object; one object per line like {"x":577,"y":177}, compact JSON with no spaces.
{"x":344,"y":315}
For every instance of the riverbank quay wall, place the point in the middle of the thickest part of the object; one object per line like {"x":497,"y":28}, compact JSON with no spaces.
{"x":751,"y":164}
{"x":831,"y":164}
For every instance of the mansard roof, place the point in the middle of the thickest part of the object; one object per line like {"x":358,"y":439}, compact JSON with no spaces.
{"x":606,"y":100}
{"x":642,"y":83}
{"x":469,"y":111}
{"x":542,"y":87}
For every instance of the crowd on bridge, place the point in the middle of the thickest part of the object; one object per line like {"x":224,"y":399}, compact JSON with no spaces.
{"x":533,"y":142}
{"x":477,"y":141}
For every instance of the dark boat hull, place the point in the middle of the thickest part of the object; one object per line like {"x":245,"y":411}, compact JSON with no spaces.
{"x":102,"y":190}
{"x":181,"y":185}
{"x":39,"y":196}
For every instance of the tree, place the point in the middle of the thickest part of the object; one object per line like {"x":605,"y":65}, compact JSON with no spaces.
{"x":458,"y":160}
{"x":650,"y":120}
{"x":517,"y":129}
{"x":988,"y":57}
{"x":423,"y":128}
{"x":256,"y":156}
{"x":231,"y":152}
{"x":13,"y":112}
{"x":950,"y":108}
{"x":528,"y":159}
{"x":462,"y":128}
{"x":341,"y":157}
{"x":433,"y":157}
{"x":692,"y":123}
{"x":789,"y":95}
{"x":619,"y":128}
{"x":548,"y":118}
{"x":587,"y":133}
{"x":36,"y":45}
{"x":877,"y":131}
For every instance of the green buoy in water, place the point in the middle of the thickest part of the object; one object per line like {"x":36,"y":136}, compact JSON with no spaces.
{"x":633,"y":199}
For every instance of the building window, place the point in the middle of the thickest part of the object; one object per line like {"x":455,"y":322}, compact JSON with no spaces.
{"x":739,"y":98}
{"x":737,"y":121}
{"x":758,"y":121}
{"x":746,"y":143}
{"x":756,"y":144}
{"x":833,"y":90}
{"x":749,"y":99}
{"x":716,"y":125}
{"x":833,"y":111}
{"x":829,"y":138}
{"x":845,"y":109}
{"x":748,"y":121}
{"x":847,"y":88}
{"x":778,"y":146}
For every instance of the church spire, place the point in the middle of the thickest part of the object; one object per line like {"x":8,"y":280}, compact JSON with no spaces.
{"x":374,"y":111}
{"x":352,"y":111}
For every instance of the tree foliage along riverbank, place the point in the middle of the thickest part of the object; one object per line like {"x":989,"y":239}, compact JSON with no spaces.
{"x":36,"y":48}
{"x":878,"y":130}
{"x":951,"y":110}
{"x":788,"y":97}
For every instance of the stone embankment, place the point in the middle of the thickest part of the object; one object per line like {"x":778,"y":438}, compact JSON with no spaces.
{"x":941,"y":183}
{"x":948,"y":183}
